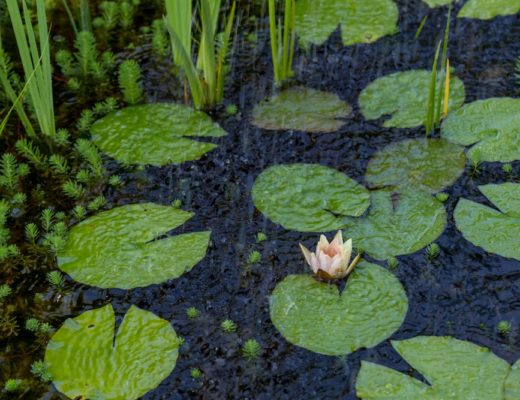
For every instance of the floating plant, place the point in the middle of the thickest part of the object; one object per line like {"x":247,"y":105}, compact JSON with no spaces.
{"x":85,"y":360}
{"x":491,"y":127}
{"x":403,"y":96}
{"x":155,"y":134}
{"x":397,"y":223}
{"x":127,"y":247}
{"x":315,"y":316}
{"x":301,"y":109}
{"x":425,"y":164}
{"x":454,"y":369}
{"x":495,"y":230}
{"x":308,"y":197}
{"x":512,"y":385}
{"x":362,"y":21}
{"x":486,"y":9}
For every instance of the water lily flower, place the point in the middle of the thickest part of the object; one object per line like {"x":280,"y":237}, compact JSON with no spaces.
{"x":331,"y":260}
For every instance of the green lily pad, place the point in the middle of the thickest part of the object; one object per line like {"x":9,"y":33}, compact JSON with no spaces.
{"x":397,"y":223}
{"x":155,"y":134}
{"x":362,"y":21}
{"x":315,"y":316}
{"x":124,"y":248}
{"x":302,"y":109}
{"x":512,"y":385}
{"x":85,"y":361}
{"x":426,"y":164}
{"x":486,"y":9}
{"x":403,"y":96}
{"x":496,"y":231}
{"x":438,"y":3}
{"x":308,"y":197}
{"x":455,"y":369}
{"x":491,"y":127}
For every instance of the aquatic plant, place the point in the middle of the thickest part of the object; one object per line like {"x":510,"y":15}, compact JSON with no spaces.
{"x":433,"y":250}
{"x":35,"y":56}
{"x":331,"y":260}
{"x":283,"y":40}
{"x":251,"y":349}
{"x":55,"y":278}
{"x":32,"y":325}
{"x":177,"y":203}
{"x":392,"y":263}
{"x":196,"y":373}
{"x":507,"y":168}
{"x":206,"y":88}
{"x":115,"y":181}
{"x":442,"y":197}
{"x":40,"y":370}
{"x":5,"y":291}
{"x":13,"y":385}
{"x":192,"y":313}
{"x":228,"y":326}
{"x":261,"y":237}
{"x":130,"y":81}
{"x":231,"y":109}
{"x":504,"y":327}
{"x":254,"y":257}
{"x":159,"y":39}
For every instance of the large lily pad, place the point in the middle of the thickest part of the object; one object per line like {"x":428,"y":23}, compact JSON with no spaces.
{"x":486,"y":9}
{"x":403,"y":96}
{"x":86,"y":361}
{"x":314,"y":315}
{"x":491,"y":127}
{"x":155,"y":134}
{"x":362,"y":21}
{"x":397,"y":223}
{"x":426,"y":164}
{"x":301,"y":109}
{"x":124,"y":248}
{"x":496,"y":231}
{"x":308,"y":197}
{"x":454,"y":369}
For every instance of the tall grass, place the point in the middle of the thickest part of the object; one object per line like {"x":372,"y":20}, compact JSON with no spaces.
{"x":33,"y":47}
{"x":283,"y":40}
{"x":439,"y":92}
{"x":205,"y":76}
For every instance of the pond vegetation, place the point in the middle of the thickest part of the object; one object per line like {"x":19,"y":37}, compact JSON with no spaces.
{"x":167,"y":165}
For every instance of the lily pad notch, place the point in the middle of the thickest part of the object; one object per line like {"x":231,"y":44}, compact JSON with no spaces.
{"x":155,"y":134}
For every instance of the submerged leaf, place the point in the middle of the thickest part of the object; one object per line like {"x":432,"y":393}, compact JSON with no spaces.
{"x":85,"y":360}
{"x":426,"y":164}
{"x":496,"y":231}
{"x":155,"y":134}
{"x":301,"y":109}
{"x":315,"y":316}
{"x":487,"y":9}
{"x":308,"y":197}
{"x":362,"y":21}
{"x":397,"y":223}
{"x":490,"y":126}
{"x":455,"y":369}
{"x":122,"y":248}
{"x":403,"y":96}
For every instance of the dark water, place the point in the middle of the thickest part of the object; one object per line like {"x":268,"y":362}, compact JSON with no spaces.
{"x":464,"y":293}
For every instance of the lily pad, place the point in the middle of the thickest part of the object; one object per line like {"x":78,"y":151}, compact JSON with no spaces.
{"x":454,"y":369}
{"x":397,"y":223}
{"x":486,"y":9}
{"x":315,"y":316}
{"x":403,"y":96}
{"x":308,"y":197}
{"x":155,"y":134}
{"x":426,"y":164}
{"x":438,"y":3}
{"x":362,"y":21}
{"x":125,"y":248}
{"x":302,"y":109}
{"x":491,"y":127}
{"x":496,"y":231}
{"x":86,"y":360}
{"x":512,"y":385}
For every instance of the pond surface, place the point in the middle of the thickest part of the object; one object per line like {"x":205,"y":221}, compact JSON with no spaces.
{"x":463,"y":293}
